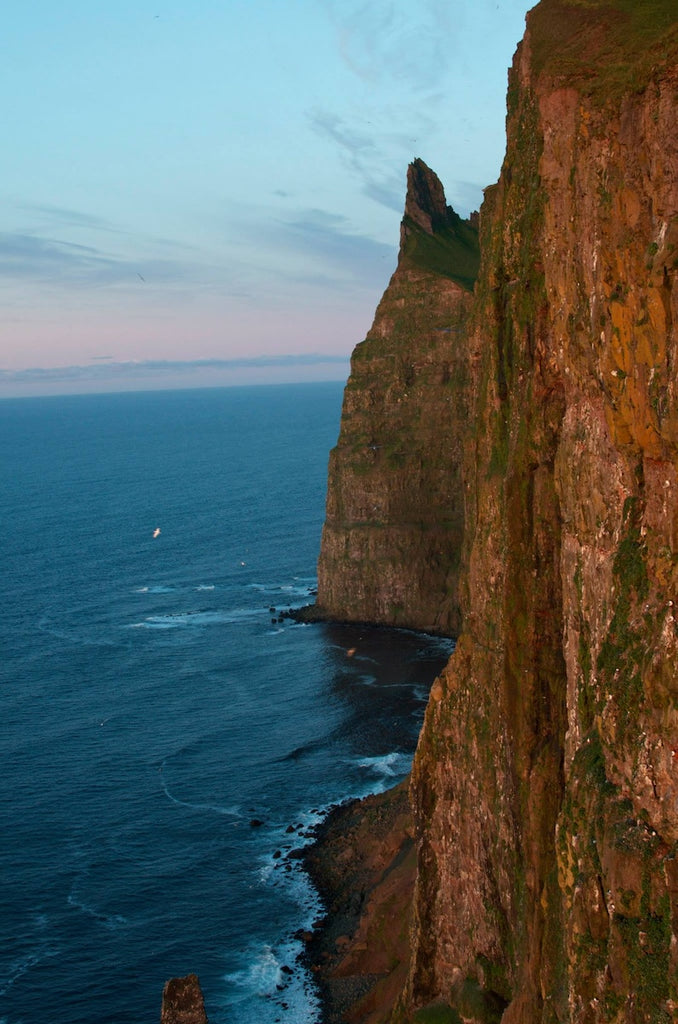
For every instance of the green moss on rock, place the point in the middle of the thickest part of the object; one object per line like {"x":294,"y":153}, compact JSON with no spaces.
{"x":452,"y":251}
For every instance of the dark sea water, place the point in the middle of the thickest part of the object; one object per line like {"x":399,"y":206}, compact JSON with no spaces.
{"x":152,"y":710}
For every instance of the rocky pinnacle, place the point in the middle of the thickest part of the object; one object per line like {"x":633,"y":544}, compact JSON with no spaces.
{"x":425,"y":201}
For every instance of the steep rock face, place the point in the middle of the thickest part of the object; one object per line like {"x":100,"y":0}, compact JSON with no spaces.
{"x":545,"y":784}
{"x":394,"y":518}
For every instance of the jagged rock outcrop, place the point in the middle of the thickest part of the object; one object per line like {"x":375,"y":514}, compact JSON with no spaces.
{"x":394,"y":518}
{"x":425,"y":203}
{"x":182,"y":1001}
{"x":545,"y":785}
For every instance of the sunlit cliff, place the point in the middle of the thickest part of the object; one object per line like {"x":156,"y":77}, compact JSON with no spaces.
{"x":508,"y":469}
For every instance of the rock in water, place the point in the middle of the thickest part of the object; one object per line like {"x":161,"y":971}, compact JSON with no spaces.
{"x":182,"y":1001}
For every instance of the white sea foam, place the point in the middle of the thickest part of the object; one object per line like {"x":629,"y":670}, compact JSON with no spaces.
{"x":363,"y":657}
{"x":109,"y":921}
{"x":277,"y":869}
{"x":356,"y":656}
{"x":205,"y":586}
{"x":23,"y":964}
{"x":157,"y":589}
{"x":230,"y":812}
{"x":264,"y":973}
{"x":180,"y":620}
{"x":282,"y":987}
{"x":365,"y":680}
{"x":273,"y":971}
{"x":300,"y":588}
{"x":148,"y":624}
{"x":388,"y":765}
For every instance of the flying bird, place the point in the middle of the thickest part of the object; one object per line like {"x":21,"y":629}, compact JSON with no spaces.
{"x":156,"y":532}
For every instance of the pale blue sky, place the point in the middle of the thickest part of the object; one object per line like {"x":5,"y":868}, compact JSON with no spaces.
{"x":185,"y":186}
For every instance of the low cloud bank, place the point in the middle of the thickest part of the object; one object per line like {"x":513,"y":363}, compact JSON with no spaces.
{"x":153,"y":374}
{"x":134,"y":368}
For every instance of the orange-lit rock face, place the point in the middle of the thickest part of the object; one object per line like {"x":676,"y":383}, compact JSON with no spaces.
{"x":545,"y":785}
{"x":546,"y":780}
{"x":612,"y":179}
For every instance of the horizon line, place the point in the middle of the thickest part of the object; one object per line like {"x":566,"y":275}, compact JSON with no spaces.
{"x":101,"y":371}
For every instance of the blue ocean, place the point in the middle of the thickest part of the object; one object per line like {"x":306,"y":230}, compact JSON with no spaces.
{"x":166,"y":737}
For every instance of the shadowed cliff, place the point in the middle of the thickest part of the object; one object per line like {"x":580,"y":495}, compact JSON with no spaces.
{"x":537,"y":508}
{"x":394,"y":518}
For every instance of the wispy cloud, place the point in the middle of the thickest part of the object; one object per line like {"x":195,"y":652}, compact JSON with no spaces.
{"x":311,"y":247}
{"x":67,"y":217}
{"x":371,"y":160}
{"x":355,"y":143}
{"x":363,"y":158}
{"x":402,"y":54}
{"x":327,"y":241}
{"x":394,"y":39}
{"x":45,"y":259}
{"x":388,"y":192}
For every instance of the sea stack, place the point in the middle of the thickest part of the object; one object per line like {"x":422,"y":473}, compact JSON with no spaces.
{"x":182,"y":1001}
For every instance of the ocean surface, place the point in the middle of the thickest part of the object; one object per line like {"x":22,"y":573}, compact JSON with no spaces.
{"x":165,"y":739}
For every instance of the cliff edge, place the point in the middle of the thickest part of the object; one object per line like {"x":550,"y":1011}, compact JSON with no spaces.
{"x":508,"y":466}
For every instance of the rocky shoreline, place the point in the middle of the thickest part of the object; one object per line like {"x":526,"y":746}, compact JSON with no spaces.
{"x":362,"y":862}
{"x":310,"y":614}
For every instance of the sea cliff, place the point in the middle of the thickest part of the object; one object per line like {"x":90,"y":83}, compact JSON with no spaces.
{"x":395,"y":513}
{"x":507,"y":469}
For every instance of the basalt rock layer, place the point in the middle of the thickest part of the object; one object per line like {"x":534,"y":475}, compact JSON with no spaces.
{"x":545,"y":784}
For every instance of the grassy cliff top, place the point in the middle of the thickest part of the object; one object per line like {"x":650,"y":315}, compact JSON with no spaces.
{"x":452,"y":251}
{"x":607,"y":48}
